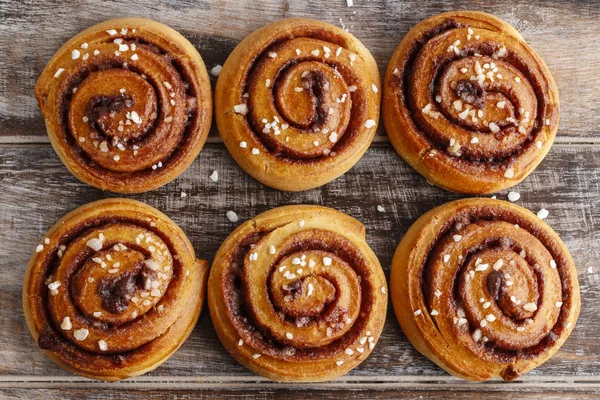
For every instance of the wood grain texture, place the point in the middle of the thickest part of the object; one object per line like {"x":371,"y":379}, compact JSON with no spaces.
{"x":564,"y":33}
{"x":283,"y":394}
{"x":37,"y":190}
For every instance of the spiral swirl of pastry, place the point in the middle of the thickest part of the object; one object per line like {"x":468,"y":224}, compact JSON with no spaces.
{"x":113,"y":290}
{"x":484,"y":289}
{"x":468,"y":103}
{"x":296,"y":294}
{"x":127,"y":104}
{"x":297,"y":103}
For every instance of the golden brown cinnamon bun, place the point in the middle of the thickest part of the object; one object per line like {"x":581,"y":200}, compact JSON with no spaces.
{"x":113,"y":290}
{"x":297,"y":103}
{"x":127,"y":104}
{"x":468,"y":103}
{"x":484,"y":289}
{"x":296,"y":294}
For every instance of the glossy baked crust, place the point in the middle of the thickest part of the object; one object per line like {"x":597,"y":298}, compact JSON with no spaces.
{"x":468,"y":103}
{"x":297,"y":103}
{"x":113,"y":290}
{"x":484,"y":289}
{"x":296,"y":294}
{"x":127,"y":104}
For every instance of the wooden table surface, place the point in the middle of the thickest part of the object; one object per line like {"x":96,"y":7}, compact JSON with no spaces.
{"x":36,"y":190}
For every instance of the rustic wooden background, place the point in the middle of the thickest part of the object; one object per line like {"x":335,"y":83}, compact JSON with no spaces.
{"x":36,"y":190}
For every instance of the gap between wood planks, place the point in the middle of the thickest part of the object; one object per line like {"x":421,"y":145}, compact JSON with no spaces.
{"x":547,"y":383}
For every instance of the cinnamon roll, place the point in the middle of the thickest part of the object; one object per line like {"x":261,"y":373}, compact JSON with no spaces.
{"x":297,"y":103}
{"x":127,"y":104}
{"x":113,"y":290}
{"x":468,"y":103}
{"x":484,"y":289}
{"x":296,"y":294}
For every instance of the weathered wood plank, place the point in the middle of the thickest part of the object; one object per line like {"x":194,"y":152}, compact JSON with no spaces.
{"x":37,"y":190}
{"x":564,"y":33}
{"x":283,"y":394}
